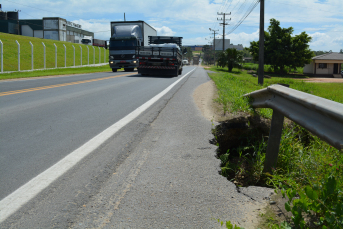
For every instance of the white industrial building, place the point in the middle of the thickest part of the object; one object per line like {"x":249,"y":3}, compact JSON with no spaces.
{"x":219,"y":45}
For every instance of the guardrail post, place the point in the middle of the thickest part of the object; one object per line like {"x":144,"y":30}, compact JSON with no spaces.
{"x":99,"y":54}
{"x":65,"y":56}
{"x":2,"y":56}
{"x":31,"y":55}
{"x":93,"y":55}
{"x":18,"y":54}
{"x":87,"y":55}
{"x":55,"y":55}
{"x":44,"y":55}
{"x":74,"y":54}
{"x":273,"y":141}
{"x":81,"y":54}
{"x":104,"y":55}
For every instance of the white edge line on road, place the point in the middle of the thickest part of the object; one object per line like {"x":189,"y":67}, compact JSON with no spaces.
{"x":25,"y":193}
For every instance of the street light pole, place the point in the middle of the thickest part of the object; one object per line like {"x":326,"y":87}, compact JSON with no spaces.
{"x":214,"y":44}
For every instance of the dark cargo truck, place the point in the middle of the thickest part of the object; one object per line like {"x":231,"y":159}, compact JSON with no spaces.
{"x":126,"y":36}
{"x":163,"y":56}
{"x":196,"y":60}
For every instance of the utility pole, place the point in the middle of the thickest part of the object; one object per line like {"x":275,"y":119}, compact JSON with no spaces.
{"x":224,"y":23}
{"x":209,"y":55}
{"x":261,"y":47}
{"x":214,"y":44}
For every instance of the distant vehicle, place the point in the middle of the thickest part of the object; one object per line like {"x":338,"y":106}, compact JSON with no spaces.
{"x":88,"y":40}
{"x":126,"y":36}
{"x":196,"y":60}
{"x":185,"y":62}
{"x":163,"y":56}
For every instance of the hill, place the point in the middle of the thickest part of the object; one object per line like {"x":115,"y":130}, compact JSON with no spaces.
{"x":10,"y":50}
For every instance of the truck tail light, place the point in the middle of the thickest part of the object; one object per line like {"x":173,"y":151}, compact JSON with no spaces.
{"x":172,"y":64}
{"x":142,"y":63}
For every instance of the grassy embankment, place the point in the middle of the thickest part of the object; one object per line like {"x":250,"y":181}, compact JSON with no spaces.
{"x":307,"y":167}
{"x":10,"y":62}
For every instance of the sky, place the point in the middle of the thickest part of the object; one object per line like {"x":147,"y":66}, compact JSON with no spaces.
{"x":191,"y":19}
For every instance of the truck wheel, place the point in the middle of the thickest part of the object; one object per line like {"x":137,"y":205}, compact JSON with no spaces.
{"x":114,"y":70}
{"x":180,"y":71}
{"x":126,"y":69}
{"x":177,"y":71}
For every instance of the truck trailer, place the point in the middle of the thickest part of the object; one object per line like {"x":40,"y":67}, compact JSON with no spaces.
{"x":196,"y":60}
{"x":163,"y":56}
{"x":89,"y":40}
{"x":126,"y":36}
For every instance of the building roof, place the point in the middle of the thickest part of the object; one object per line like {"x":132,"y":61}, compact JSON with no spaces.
{"x":329,"y":56}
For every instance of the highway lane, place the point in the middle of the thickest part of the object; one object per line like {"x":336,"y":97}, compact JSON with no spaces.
{"x":42,"y":125}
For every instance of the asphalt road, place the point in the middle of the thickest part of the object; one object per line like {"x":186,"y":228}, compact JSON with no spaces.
{"x":43,"y":125}
{"x":158,"y":171}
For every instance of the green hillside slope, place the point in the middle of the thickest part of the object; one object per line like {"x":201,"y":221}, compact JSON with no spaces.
{"x":11,"y":53}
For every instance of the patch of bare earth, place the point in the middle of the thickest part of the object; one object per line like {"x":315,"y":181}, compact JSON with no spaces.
{"x":323,"y":80}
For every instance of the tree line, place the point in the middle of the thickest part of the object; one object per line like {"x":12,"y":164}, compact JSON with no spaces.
{"x":281,"y":50}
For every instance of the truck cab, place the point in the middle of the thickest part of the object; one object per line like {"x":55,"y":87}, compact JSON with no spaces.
{"x":125,"y":38}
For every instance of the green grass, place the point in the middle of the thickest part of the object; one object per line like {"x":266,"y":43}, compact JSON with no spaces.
{"x":11,"y":53}
{"x":268,"y":68}
{"x":308,"y":168}
{"x":232,"y":86}
{"x":52,"y":72}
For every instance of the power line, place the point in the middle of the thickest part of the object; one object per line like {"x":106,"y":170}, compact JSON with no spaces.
{"x":252,"y":7}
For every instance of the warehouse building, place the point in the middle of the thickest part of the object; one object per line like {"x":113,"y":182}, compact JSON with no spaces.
{"x":227,"y":45}
{"x":54,"y":28}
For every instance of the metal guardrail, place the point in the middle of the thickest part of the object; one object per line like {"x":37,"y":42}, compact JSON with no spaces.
{"x":322,"y":117}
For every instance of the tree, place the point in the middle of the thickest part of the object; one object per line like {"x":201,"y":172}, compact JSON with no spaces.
{"x":231,"y":58}
{"x":208,"y":55}
{"x":246,"y":52}
{"x":189,"y":54}
{"x":281,"y":49}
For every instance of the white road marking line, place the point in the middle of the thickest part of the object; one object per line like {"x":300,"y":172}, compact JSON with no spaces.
{"x":25,"y":193}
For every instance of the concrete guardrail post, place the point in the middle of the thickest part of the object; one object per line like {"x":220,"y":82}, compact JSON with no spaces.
{"x":2,"y":56}
{"x":81,"y":54}
{"x":65,"y":56}
{"x":74,"y":54}
{"x":87,"y":55}
{"x":55,"y":55}
{"x":99,"y":54}
{"x":93,"y":55}
{"x":44,"y":55}
{"x":31,"y":55}
{"x":18,"y":54}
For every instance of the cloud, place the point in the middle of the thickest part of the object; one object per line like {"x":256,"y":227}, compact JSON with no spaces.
{"x":100,"y":27}
{"x":164,"y":31}
{"x":243,"y":38}
{"x":192,"y":18}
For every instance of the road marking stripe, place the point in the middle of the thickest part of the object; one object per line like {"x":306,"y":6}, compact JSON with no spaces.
{"x":25,"y":193}
{"x":59,"y":85}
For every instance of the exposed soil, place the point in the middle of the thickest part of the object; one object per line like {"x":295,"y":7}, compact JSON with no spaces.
{"x":323,"y":80}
